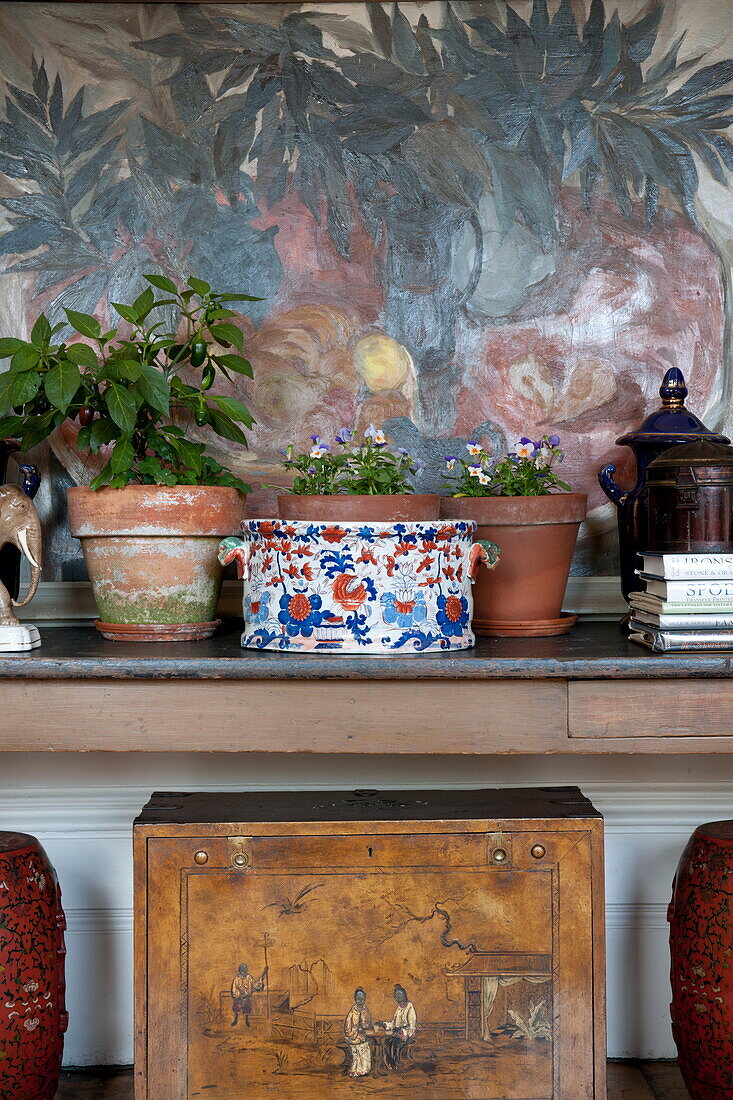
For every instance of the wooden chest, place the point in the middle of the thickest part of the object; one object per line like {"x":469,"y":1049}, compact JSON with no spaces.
{"x":426,"y":945}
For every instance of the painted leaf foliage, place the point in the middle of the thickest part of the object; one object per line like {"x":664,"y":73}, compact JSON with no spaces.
{"x":444,"y":113}
{"x":92,"y":213}
{"x":360,"y":120}
{"x":71,"y":156}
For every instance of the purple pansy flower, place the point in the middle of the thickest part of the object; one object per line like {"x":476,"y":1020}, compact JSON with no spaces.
{"x":525,"y":448}
{"x":376,"y":435}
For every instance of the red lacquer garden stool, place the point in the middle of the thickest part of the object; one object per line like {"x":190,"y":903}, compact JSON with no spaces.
{"x":701,"y":941}
{"x":33,"y":1015}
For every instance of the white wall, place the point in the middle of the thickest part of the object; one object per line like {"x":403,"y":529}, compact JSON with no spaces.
{"x":82,"y":806}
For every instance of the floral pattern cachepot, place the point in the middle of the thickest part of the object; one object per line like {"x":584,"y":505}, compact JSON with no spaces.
{"x":357,"y":587}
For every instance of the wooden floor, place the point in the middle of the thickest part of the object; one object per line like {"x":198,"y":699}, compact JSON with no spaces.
{"x":645,"y":1082}
{"x":651,"y":1081}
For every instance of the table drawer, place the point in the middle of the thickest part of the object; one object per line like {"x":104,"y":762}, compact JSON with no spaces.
{"x":364,"y":716}
{"x":657,"y":711}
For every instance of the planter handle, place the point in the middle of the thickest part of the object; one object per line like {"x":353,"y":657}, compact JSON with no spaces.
{"x":483,"y":553}
{"x":239,"y":550}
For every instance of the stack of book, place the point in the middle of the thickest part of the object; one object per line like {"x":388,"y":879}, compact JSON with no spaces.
{"x":687,"y":602}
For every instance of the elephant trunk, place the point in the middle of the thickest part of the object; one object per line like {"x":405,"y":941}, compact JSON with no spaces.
{"x":28,"y":541}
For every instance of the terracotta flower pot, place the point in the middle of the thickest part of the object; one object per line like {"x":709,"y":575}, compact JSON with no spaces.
{"x":536,"y":536}
{"x":151,"y":554}
{"x":342,"y":507}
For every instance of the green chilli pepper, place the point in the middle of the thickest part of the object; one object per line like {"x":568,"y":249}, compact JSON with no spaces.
{"x":199,"y":351}
{"x":207,"y":378}
{"x":178,"y":353}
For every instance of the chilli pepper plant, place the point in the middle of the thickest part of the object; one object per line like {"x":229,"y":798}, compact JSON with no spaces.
{"x":134,"y":391}
{"x":527,"y":471}
{"x":358,"y":467}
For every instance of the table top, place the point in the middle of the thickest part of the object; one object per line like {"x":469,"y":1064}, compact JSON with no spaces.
{"x":592,"y":650}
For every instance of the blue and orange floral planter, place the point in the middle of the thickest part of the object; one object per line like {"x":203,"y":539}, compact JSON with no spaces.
{"x":358,"y":587}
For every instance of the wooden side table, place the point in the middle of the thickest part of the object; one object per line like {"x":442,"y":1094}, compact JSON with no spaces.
{"x":590,"y":692}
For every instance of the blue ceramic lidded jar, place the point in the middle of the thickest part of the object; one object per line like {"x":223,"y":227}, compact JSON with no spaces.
{"x":671,"y":425}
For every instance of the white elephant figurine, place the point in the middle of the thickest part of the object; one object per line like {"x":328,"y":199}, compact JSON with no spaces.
{"x":20,"y":526}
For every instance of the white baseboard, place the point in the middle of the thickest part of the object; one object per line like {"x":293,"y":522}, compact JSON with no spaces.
{"x":651,"y":916}
{"x":595,"y":597}
{"x":99,"y":922}
{"x":72,"y":601}
{"x":69,"y":602}
{"x":644,"y":917}
{"x":107,"y":812}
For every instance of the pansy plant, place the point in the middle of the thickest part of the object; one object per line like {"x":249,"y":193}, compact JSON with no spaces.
{"x":317,"y":472}
{"x":527,"y":471}
{"x":352,"y":466}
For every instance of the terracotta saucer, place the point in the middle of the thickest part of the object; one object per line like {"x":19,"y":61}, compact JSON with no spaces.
{"x":156,"y":632}
{"x":531,"y":628}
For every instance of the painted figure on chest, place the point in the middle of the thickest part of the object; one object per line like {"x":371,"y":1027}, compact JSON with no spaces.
{"x":358,"y":1022}
{"x":401,"y":1029}
{"x":243,"y":986}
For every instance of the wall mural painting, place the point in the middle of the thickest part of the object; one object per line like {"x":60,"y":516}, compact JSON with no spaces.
{"x":470,"y":219}
{"x":324,"y":984}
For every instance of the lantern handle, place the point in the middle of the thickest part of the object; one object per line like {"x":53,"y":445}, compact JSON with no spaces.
{"x":613,"y":491}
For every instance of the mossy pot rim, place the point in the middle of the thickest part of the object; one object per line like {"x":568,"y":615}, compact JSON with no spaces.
{"x":156,"y":510}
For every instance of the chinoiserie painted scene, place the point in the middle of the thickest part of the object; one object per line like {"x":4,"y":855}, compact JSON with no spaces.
{"x":429,"y":985}
{"x":463,"y":219}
